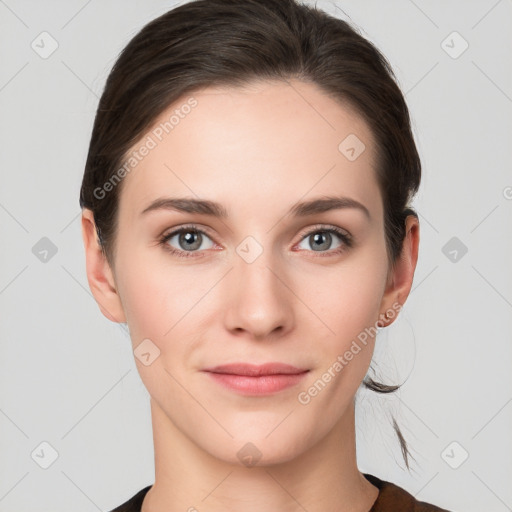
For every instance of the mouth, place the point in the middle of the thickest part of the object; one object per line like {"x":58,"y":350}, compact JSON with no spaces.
{"x":249,"y":379}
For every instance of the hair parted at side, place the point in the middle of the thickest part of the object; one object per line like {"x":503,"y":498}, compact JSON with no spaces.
{"x":232,"y":43}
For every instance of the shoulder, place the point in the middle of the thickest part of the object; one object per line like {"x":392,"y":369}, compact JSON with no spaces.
{"x":134,"y":504}
{"x":392,"y":497}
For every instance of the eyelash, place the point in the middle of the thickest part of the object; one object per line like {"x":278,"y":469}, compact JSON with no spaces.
{"x":345,"y":238}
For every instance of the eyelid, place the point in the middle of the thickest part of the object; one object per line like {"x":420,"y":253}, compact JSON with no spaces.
{"x":318,"y":227}
{"x":192,"y":226}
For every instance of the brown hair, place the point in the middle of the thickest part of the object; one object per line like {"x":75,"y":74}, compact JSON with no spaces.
{"x":233,"y":42}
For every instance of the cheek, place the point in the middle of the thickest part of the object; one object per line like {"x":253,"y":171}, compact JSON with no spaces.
{"x":156,"y":300}
{"x":147,"y":295}
{"x":167,"y":302}
{"x":347,"y":297}
{"x":350,"y":308}
{"x":348,"y":303}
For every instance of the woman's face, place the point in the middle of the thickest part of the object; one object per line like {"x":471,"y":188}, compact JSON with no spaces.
{"x":265,"y":283}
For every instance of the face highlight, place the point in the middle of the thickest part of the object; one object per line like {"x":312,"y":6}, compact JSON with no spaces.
{"x":281,"y":257}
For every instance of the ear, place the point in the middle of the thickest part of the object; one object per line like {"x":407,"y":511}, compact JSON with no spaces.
{"x":401,"y":274}
{"x":99,"y":273}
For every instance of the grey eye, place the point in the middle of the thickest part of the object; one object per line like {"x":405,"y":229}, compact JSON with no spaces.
{"x":189,"y":240}
{"x":320,"y":240}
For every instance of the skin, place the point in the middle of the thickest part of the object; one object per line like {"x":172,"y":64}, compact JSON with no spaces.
{"x":257,"y":150}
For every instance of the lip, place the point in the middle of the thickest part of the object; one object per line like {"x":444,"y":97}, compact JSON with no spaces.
{"x":250,"y":379}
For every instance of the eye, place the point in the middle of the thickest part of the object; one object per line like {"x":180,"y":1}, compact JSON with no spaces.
{"x":320,"y":239}
{"x":189,"y":240}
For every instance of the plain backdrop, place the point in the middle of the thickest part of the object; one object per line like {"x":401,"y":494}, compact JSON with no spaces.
{"x":75,"y":426}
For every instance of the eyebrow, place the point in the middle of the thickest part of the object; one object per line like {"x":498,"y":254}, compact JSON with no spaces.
{"x":206,"y":207}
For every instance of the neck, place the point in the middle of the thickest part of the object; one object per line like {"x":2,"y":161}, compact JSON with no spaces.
{"x":325,"y":477}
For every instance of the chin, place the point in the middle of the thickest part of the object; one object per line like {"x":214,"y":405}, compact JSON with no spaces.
{"x":259,"y":449}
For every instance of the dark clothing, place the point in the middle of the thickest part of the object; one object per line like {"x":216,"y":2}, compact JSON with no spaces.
{"x":391,"y":498}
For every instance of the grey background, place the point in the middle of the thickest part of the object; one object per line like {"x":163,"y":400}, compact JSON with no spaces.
{"x":67,"y":374}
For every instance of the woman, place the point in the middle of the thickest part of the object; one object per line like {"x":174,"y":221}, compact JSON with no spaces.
{"x":246,"y":212}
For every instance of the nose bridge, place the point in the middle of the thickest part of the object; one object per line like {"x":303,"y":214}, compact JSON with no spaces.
{"x":259,"y":300}
{"x":256,"y":266}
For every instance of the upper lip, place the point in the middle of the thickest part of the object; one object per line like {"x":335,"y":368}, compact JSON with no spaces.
{"x":254,"y":370}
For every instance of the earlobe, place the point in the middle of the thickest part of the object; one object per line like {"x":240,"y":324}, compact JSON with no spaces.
{"x":99,"y":274}
{"x":401,"y":275}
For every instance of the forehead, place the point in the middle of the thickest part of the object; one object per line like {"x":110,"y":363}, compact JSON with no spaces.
{"x":268,"y":141}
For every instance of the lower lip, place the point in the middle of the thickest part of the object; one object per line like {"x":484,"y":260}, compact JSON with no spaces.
{"x":262,"y":385}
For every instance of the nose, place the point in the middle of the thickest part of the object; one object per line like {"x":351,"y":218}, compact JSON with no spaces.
{"x":259,"y":298}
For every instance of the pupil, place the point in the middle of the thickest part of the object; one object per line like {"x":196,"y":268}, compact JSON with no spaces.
{"x":318,"y":238}
{"x":190,"y":238}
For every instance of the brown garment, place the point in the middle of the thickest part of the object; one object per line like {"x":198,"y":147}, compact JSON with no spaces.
{"x":391,"y":498}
